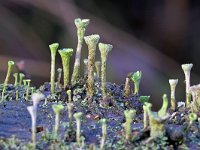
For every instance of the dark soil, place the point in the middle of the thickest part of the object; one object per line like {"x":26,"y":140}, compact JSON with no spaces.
{"x":15,"y":120}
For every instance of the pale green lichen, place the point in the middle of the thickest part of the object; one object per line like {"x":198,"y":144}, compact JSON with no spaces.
{"x":81,"y":25}
{"x":145,"y":100}
{"x":53,"y":48}
{"x":195,"y":91}
{"x":33,"y":112}
{"x":69,"y":109}
{"x":157,"y":119}
{"x":98,"y":69}
{"x":136,"y":77}
{"x":59,"y":72}
{"x":15,"y":75}
{"x":78,"y":116}
{"x":66,"y":54}
{"x":104,"y":50}
{"x":91,"y":42}
{"x":57,"y":108}
{"x":173,"y":83}
{"x":28,"y":81}
{"x":10,"y":66}
{"x":129,"y":115}
{"x":127,"y":88}
{"x":21,"y":78}
{"x":85,"y":61}
{"x":187,"y":69}
{"x":104,"y":132}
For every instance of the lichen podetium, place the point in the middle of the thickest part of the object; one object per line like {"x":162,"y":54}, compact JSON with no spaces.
{"x":157,"y":119}
{"x":104,"y":50}
{"x":10,"y":66}
{"x":66,"y":54}
{"x":187,"y":69}
{"x":173,"y":83}
{"x":81,"y":25}
{"x":91,"y":42}
{"x":53,"y":48}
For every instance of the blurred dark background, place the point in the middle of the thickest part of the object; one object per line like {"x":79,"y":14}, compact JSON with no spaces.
{"x":155,"y":37}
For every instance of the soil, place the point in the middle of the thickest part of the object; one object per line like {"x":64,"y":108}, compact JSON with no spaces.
{"x":15,"y":120}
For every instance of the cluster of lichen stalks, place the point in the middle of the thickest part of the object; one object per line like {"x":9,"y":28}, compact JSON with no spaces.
{"x":154,"y":120}
{"x":22,"y":86}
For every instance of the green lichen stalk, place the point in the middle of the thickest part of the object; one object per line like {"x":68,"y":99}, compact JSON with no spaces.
{"x":78,"y":116}
{"x":53,"y":48}
{"x":136,"y":77}
{"x":69,"y":94}
{"x":91,"y":42}
{"x":98,"y":69}
{"x":69,"y":109}
{"x":21,"y":78}
{"x":129,"y":115}
{"x":195,"y":92}
{"x":187,"y":69}
{"x":59,"y":71}
{"x":104,"y":132}
{"x":81,"y":25}
{"x":157,"y":119}
{"x":32,"y":111}
{"x":57,"y":108}
{"x":15,"y":75}
{"x":28,"y":81}
{"x":127,"y":88}
{"x":66,"y":55}
{"x":173,"y":83}
{"x":85,"y":61}
{"x":144,"y":100}
{"x":104,"y":50}
{"x":10,"y":66}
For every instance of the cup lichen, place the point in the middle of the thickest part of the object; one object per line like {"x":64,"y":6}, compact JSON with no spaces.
{"x":98,"y":69}
{"x":21,"y":78}
{"x":78,"y":116}
{"x":104,"y":132}
{"x":157,"y":119}
{"x":57,"y":108}
{"x":173,"y":83}
{"x":10,"y":66}
{"x":129,"y":115}
{"x":187,"y":69}
{"x":53,"y":48}
{"x":66,"y":54}
{"x":104,"y":50}
{"x":136,"y":77}
{"x":15,"y":75}
{"x":81,"y":25}
{"x":127,"y":88}
{"x":91,"y":42}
